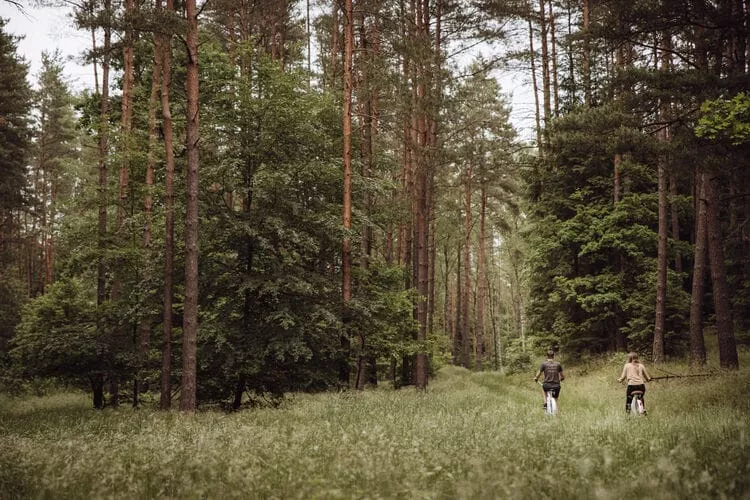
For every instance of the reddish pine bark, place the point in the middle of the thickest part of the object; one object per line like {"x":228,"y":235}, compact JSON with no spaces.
{"x":165,"y":400}
{"x":190,"y":314}
{"x":346,"y":254}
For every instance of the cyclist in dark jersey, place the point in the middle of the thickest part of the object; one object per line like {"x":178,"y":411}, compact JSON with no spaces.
{"x":552,"y":372}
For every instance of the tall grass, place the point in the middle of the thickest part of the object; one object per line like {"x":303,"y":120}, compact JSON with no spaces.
{"x":470,"y":435}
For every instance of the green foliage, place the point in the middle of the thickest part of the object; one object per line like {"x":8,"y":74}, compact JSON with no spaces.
{"x":58,"y":335}
{"x":15,"y":104}
{"x":382,"y":312}
{"x":593,"y":262}
{"x":727,"y":119}
{"x":271,"y":308}
{"x":472,"y":435}
{"x":516,"y":358}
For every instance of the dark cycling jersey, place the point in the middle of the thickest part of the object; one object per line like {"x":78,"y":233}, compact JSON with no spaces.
{"x":551,"y":371}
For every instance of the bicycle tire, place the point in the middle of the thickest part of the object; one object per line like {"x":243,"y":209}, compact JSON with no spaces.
{"x":551,"y":404}
{"x":636,"y":405}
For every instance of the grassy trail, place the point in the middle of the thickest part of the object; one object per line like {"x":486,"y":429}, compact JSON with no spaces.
{"x":471,"y":435}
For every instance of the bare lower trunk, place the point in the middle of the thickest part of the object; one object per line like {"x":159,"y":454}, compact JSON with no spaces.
{"x":466,"y":300}
{"x":697,"y":343}
{"x":481,"y":279}
{"x":724,"y":327}
{"x":661,"y":269}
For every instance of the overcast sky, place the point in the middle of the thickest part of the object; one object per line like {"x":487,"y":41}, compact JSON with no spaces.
{"x":50,"y":28}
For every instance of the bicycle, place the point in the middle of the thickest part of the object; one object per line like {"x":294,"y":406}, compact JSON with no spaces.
{"x":551,"y":406}
{"x":636,"y":404}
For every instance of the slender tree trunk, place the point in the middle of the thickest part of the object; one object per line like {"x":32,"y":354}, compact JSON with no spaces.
{"x":546,"y":80}
{"x":697,"y":343}
{"x":97,"y":389}
{"x":458,"y":343}
{"x":101,"y":293}
{"x":661,"y":270}
{"x":145,"y":324}
{"x":190,"y":314}
{"x":535,"y":88}
{"x":346,"y":254}
{"x":662,"y":256}
{"x":422,"y":177}
{"x":165,"y":401}
{"x":433,"y":146}
{"x":366,"y":155}
{"x":126,"y":126}
{"x":481,"y":277}
{"x":466,"y":300}
{"x":335,"y":43}
{"x":587,"y":52}
{"x":553,"y":44}
{"x":724,"y":327}
{"x":101,"y":296}
{"x":447,"y":322}
{"x":675,"y":218}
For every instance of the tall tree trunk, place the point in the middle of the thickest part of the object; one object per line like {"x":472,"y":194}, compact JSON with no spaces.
{"x":697,"y":343}
{"x":190,"y":313}
{"x":675,"y":218}
{"x":458,"y":342}
{"x":662,"y":256}
{"x":365,"y":113}
{"x":587,"y":53}
{"x":546,"y":80}
{"x":335,"y":43}
{"x":101,"y":293}
{"x":466,"y":300}
{"x":346,"y":254}
{"x":535,"y":88}
{"x":661,"y":269}
{"x":553,"y":44}
{"x":437,"y":103}
{"x":126,"y":127}
{"x":423,"y":173}
{"x":724,"y":327}
{"x":165,"y":400}
{"x":101,"y":296}
{"x":145,"y":324}
{"x":481,"y":277}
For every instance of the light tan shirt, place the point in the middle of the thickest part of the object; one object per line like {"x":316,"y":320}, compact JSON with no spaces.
{"x":635,"y":373}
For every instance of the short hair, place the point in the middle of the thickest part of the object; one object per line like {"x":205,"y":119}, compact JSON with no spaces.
{"x":550,"y":353}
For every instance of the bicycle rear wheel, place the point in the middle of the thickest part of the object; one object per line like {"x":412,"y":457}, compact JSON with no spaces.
{"x":551,"y":404}
{"x":636,"y":405}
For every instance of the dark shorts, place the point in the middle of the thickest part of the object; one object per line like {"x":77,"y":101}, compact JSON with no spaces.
{"x":553,"y":388}
{"x":632,"y":388}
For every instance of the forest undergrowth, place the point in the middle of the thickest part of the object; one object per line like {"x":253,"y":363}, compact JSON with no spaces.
{"x":470,"y":435}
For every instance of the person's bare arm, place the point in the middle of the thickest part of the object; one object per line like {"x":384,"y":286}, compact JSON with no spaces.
{"x":622,"y":377}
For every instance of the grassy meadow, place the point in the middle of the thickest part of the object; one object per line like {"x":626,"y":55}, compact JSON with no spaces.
{"x":470,"y":435}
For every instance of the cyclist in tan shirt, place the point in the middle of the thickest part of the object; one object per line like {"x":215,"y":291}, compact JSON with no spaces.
{"x":636,"y":375}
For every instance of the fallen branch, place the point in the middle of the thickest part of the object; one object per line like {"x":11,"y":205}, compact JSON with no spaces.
{"x":681,"y":376}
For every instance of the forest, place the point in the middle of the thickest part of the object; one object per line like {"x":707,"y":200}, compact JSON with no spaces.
{"x":257,"y":198}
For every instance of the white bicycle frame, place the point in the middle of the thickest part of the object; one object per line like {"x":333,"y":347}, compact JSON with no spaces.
{"x":636,"y":404}
{"x":551,"y":408}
